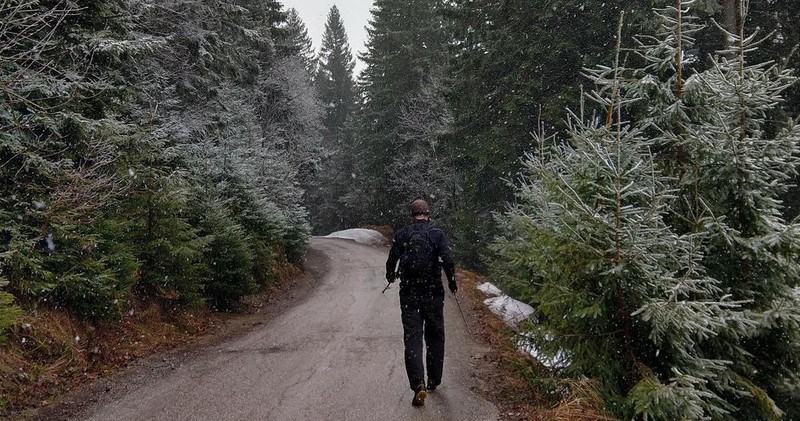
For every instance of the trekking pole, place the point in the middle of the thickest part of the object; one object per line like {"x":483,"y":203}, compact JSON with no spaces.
{"x":458,"y":302}
{"x":389,"y":284}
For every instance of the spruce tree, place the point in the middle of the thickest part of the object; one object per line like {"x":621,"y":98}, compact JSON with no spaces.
{"x":654,"y":248}
{"x":235,"y":130}
{"x":406,"y":51}
{"x":749,"y":245}
{"x":334,"y":78}
{"x":337,"y":93}
{"x":515,"y":64}
{"x":62,"y":141}
{"x":298,"y":43}
{"x":109,"y":140}
{"x":732,"y":164}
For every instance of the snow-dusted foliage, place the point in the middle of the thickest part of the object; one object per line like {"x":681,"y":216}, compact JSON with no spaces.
{"x":61,"y":144}
{"x":297,"y":43}
{"x":406,"y":52}
{"x":144,"y":143}
{"x":651,"y":241}
{"x":337,"y":94}
{"x":245,"y":124}
{"x":423,"y":167}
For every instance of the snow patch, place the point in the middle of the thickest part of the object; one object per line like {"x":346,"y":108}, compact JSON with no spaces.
{"x":560,"y":360}
{"x":512,"y":311}
{"x":489,"y":289}
{"x":360,"y":235}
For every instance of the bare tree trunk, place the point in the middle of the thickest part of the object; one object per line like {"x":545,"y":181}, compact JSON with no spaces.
{"x":729,"y":15}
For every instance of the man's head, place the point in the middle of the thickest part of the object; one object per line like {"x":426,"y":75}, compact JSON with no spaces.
{"x":420,"y":210}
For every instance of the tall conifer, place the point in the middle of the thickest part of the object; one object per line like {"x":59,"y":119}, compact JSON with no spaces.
{"x":229,"y":138}
{"x":298,"y":43}
{"x":334,"y":77}
{"x":660,"y":239}
{"x":406,"y":50}
{"x":61,"y":147}
{"x":514,"y":66}
{"x":337,"y":93}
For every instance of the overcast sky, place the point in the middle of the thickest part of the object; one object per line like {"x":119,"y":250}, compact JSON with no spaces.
{"x":355,"y":14}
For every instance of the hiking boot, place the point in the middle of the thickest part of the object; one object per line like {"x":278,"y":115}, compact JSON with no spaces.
{"x":419,"y":397}
{"x":431,"y":386}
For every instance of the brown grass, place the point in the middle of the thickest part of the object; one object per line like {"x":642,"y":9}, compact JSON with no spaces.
{"x":582,"y":404}
{"x":509,"y":374}
{"x":50,"y":351}
{"x":283,"y":270}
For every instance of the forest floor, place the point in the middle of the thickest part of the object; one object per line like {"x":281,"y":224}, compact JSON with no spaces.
{"x":56,"y":365}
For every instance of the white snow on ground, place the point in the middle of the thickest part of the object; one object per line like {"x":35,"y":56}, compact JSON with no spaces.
{"x":489,"y":289}
{"x":561,"y":360}
{"x":514,"y":312}
{"x":360,"y":235}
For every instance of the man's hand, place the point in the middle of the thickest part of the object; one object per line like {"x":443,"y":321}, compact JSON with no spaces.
{"x":391,"y":277}
{"x":452,"y":285}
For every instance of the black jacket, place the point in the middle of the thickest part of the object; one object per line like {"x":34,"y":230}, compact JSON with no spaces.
{"x":443,"y":259}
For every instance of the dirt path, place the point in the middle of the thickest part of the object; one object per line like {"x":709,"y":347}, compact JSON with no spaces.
{"x":335,"y":356}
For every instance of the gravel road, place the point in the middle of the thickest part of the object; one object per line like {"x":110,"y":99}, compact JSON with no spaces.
{"x":338,"y":355}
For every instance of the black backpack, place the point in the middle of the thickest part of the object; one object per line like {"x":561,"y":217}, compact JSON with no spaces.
{"x":417,"y":258}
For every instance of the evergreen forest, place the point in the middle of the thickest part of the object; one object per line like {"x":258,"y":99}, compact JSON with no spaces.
{"x":628,"y":168}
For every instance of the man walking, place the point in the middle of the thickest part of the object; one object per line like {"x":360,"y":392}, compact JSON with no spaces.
{"x":422,"y":252}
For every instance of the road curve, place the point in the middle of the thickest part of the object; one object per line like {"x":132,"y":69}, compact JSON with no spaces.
{"x":336,"y":356}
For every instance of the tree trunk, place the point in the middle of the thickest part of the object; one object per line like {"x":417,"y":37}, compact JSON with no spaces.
{"x":729,"y":15}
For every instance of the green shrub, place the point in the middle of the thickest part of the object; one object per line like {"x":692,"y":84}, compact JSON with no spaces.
{"x":169,"y":248}
{"x":227,"y":273}
{"x":262,"y":261}
{"x":94,"y":271}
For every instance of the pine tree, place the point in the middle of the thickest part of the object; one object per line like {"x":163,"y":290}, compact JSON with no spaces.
{"x":731,"y":168}
{"x":236,"y":129}
{"x":749,"y":245}
{"x":62,"y":139}
{"x":109,"y":139}
{"x":228,"y":272}
{"x":170,"y":248}
{"x":516,"y":64}
{"x":337,"y":93}
{"x":298,"y":43}
{"x":405,"y":52}
{"x":654,"y":249}
{"x":334,"y":78}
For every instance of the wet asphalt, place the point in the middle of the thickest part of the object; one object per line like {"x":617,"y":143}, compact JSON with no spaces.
{"x":338,"y":355}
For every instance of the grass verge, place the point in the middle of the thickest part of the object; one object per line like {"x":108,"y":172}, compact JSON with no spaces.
{"x":51,"y":352}
{"x":519,"y":385}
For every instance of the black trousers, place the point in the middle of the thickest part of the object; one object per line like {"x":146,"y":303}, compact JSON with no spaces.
{"x":422,"y":318}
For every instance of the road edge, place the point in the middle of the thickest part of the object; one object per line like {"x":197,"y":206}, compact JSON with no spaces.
{"x":81,"y":400}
